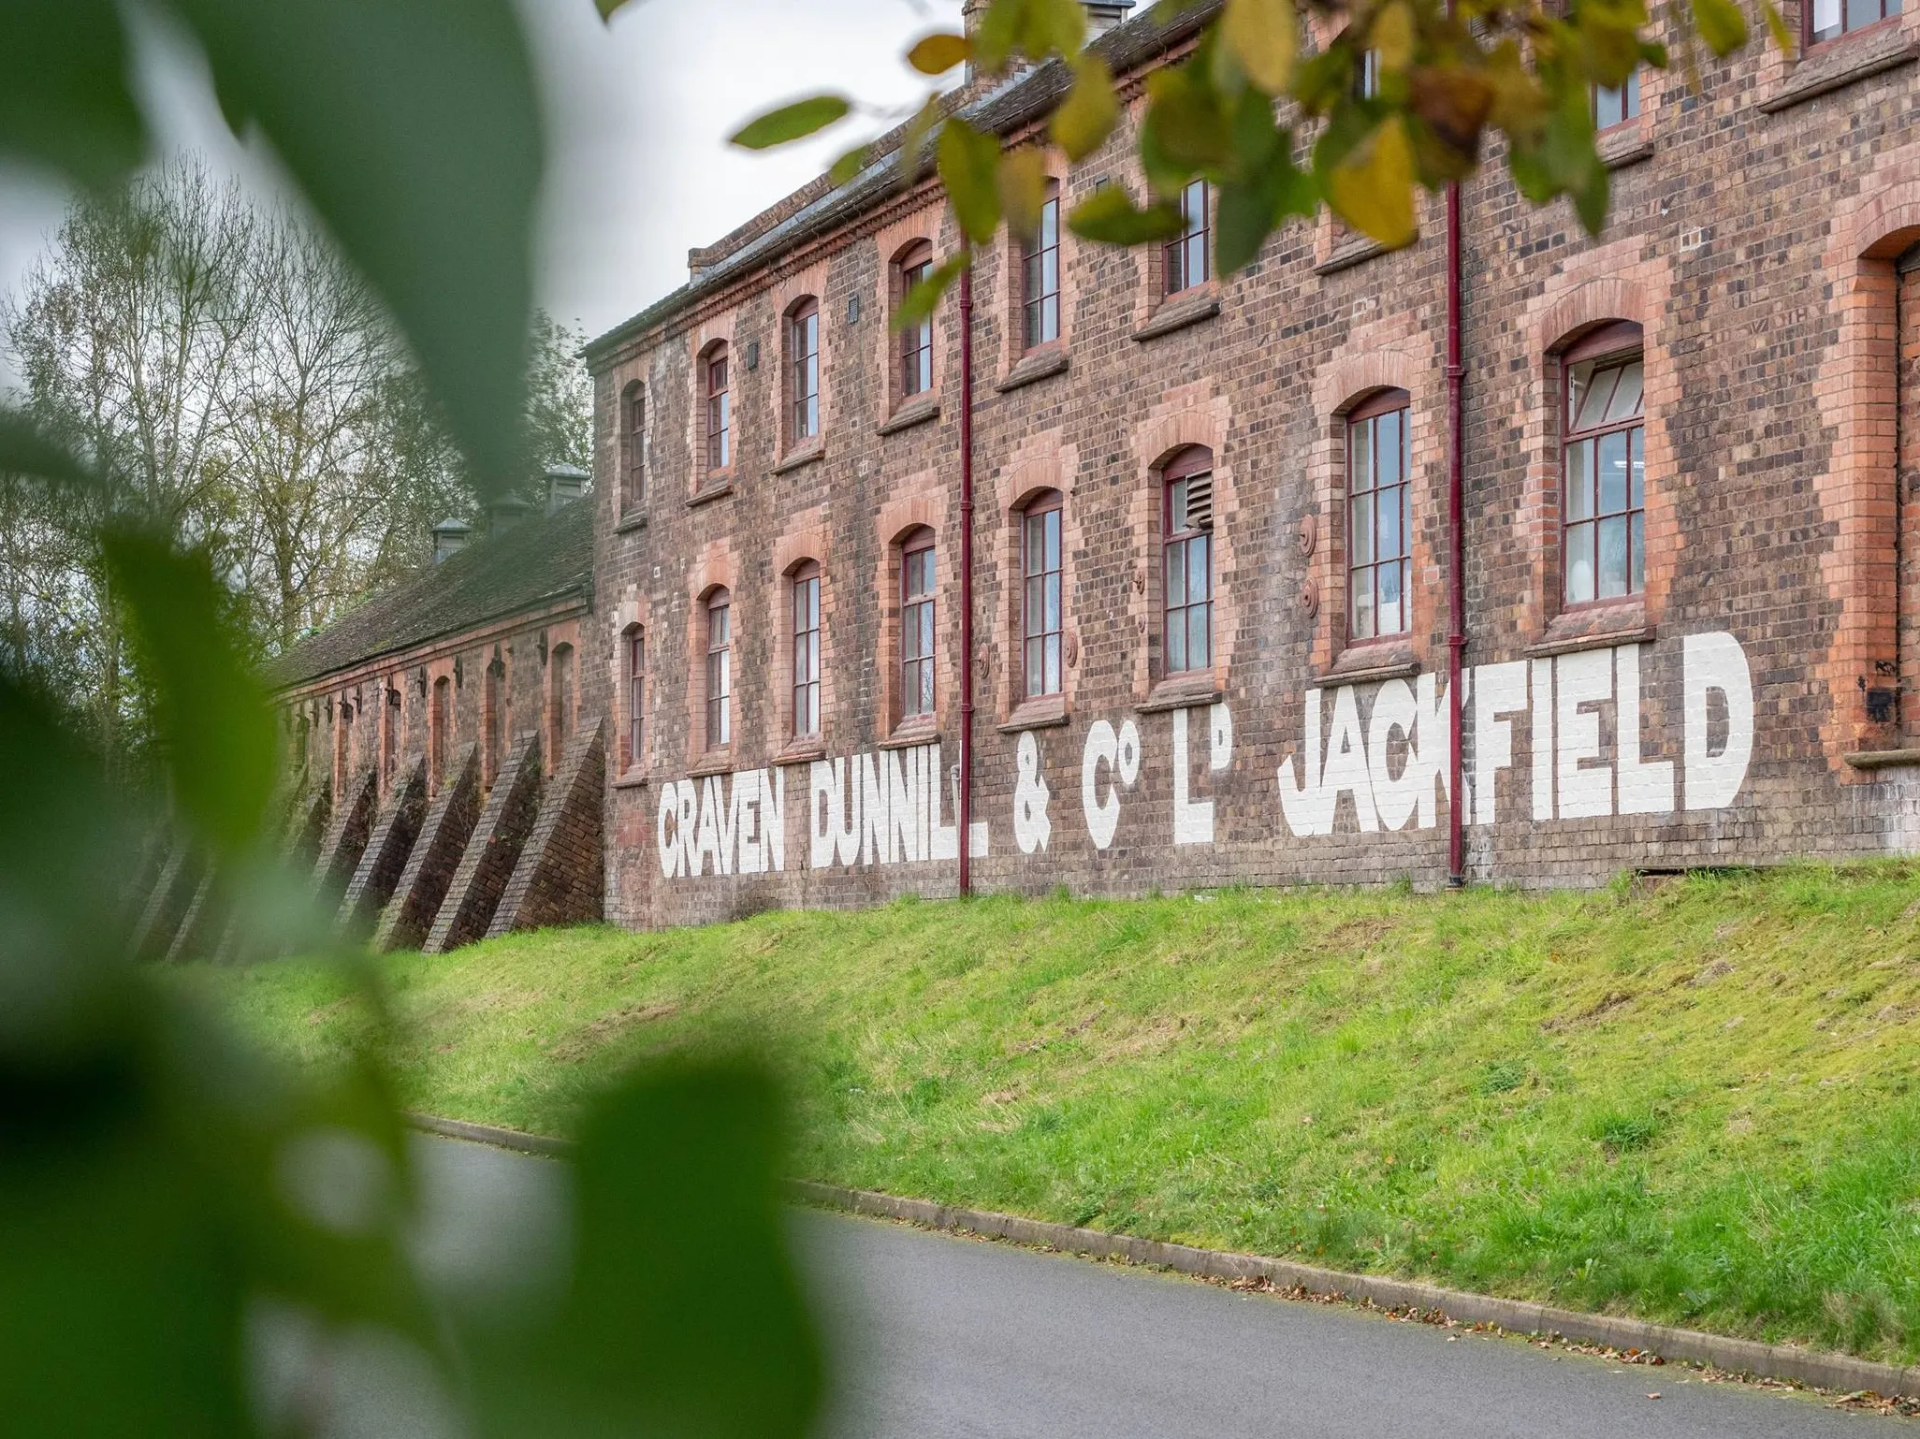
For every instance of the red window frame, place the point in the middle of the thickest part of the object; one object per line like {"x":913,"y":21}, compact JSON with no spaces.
{"x":1851,"y":17}
{"x":919,"y":585}
{"x":719,"y":669}
{"x":916,"y":341}
{"x":1042,"y":599}
{"x":803,"y":372}
{"x":1379,"y":515}
{"x":1188,"y":604}
{"x":719,"y":412}
{"x":1587,"y":520}
{"x":1184,"y":260}
{"x":806,"y":651}
{"x":1042,"y":275}
{"x":636,"y":696}
{"x":636,"y":438}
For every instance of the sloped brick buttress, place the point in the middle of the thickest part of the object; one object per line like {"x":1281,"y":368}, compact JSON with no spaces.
{"x":493,"y":851}
{"x":423,"y":884}
{"x":559,"y":879}
{"x":385,"y":858}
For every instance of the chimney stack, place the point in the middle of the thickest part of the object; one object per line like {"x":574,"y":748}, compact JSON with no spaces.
{"x":504,"y":513}
{"x":565,"y":484}
{"x":449,"y":538}
{"x":1103,"y":15}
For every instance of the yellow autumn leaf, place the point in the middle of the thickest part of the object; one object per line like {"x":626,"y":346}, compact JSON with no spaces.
{"x":1392,"y":36}
{"x":1372,"y":188}
{"x":1090,"y":111}
{"x":1261,"y":35}
{"x":1023,"y":190}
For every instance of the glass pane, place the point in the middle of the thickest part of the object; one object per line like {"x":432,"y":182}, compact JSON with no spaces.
{"x":1052,"y":519}
{"x":1176,"y":507}
{"x":1593,"y":404}
{"x":1363,"y":604}
{"x":1035,"y":545}
{"x":1579,"y":563}
{"x":1627,"y":394}
{"x":1036,"y":606}
{"x":813,"y":415}
{"x":926,"y":630}
{"x":1613,"y":557}
{"x":1176,"y":641}
{"x":1388,"y":534}
{"x":1052,"y":644}
{"x":926,"y":687}
{"x":1637,"y":468}
{"x":1196,"y":263}
{"x":1052,"y":612}
{"x":1580,"y":480}
{"x":1633,"y":94}
{"x":1389,"y":592}
{"x":1613,"y":473}
{"x":1199,"y":650}
{"x":1862,"y":12}
{"x":1360,"y":456}
{"x":1362,"y":548}
{"x":1608,"y":107}
{"x":1637,"y":571}
{"x":1176,"y":573}
{"x":1387,"y":454}
{"x":1199,"y":569}
{"x":1036,"y":667}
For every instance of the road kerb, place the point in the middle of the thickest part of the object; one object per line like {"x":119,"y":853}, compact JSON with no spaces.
{"x":1822,"y":1370}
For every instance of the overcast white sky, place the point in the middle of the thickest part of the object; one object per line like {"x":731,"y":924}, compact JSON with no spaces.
{"x":638,"y":114}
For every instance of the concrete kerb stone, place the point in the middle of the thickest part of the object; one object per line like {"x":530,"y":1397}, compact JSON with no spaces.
{"x":1839,"y":1372}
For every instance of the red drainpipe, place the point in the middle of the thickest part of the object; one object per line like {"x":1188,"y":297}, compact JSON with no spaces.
{"x":1456,"y":548}
{"x":965,"y":817}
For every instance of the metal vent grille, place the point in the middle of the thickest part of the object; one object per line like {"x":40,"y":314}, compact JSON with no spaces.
{"x":1200,"y":502}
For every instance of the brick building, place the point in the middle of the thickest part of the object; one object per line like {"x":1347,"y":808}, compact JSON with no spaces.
{"x":1689,"y":600}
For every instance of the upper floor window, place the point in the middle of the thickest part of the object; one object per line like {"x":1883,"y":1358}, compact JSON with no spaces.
{"x":1184,"y":258}
{"x":1616,"y":106}
{"x":719,"y":410}
{"x":1043,"y":274}
{"x":719,"y":669}
{"x":1604,"y":544}
{"x":1379,"y":517}
{"x":1828,"y":19}
{"x":916,"y":340}
{"x":1187,"y":548}
{"x":1040,"y":601}
{"x":803,"y":371}
{"x":636,"y":696}
{"x":806,"y":650}
{"x":916,"y":624}
{"x":1366,"y":84}
{"x":634,"y":472}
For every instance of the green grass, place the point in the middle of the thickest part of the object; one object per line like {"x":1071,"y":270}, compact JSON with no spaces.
{"x":1696,"y":1103}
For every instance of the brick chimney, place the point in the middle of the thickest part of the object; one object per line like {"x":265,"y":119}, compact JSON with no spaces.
{"x":449,"y":538}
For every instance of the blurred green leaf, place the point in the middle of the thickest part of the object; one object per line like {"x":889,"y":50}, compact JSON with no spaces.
{"x":211,"y":712}
{"x":1391,"y":37}
{"x":791,"y":122}
{"x":411,"y":126}
{"x":1090,"y":111}
{"x":938,"y":53}
{"x":1721,"y":25}
{"x":919,"y":301}
{"x":970,"y":167}
{"x":1371,"y":187}
{"x":1023,"y":190}
{"x":1108,"y":216}
{"x":1776,"y":27}
{"x":849,"y":164}
{"x":609,"y":8}
{"x":64,"y":97}
{"x":24,"y":450}
{"x":913,"y":140}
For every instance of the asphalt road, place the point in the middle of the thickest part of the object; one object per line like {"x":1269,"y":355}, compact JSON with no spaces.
{"x":936,"y":1337}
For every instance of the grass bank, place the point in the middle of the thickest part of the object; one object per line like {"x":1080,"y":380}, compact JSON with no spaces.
{"x":1696,"y":1103}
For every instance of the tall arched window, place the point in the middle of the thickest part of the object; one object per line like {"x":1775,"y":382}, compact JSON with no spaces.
{"x":633,"y":492}
{"x":1184,"y":259}
{"x":1040,"y":598}
{"x":1379,"y":517}
{"x":806,"y":650}
{"x":493,"y":721}
{"x":1187,"y":547}
{"x":917,"y":581}
{"x":1603,"y":546}
{"x":560,"y":718}
{"x":439,"y":719}
{"x":916,"y":340}
{"x":636,"y":659}
{"x":719,"y":669}
{"x":803,"y":372}
{"x":718,"y":409}
{"x":1042,"y":274}
{"x":389,"y":735}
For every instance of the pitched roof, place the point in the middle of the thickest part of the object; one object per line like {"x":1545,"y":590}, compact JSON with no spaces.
{"x":542,"y":561}
{"x":1024,"y":97}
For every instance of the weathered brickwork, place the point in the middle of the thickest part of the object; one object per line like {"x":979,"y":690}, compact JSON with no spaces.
{"x":1755,"y":237}
{"x":385,"y":857}
{"x":559,"y":876}
{"x":433,"y":858}
{"x":492,"y":850}
{"x":346,"y":837}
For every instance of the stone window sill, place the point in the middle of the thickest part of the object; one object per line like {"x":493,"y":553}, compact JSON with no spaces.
{"x":1033,"y":367}
{"x":1356,"y":250}
{"x":713,"y":761}
{"x":811,"y":454}
{"x":1626,"y":144}
{"x":1365,"y":663}
{"x":1184,"y":692}
{"x":1047,"y":712}
{"x":802,"y":751}
{"x":629,"y":523}
{"x":709,"y":492}
{"x":911,"y":732}
{"x":1179,"y":312}
{"x":916,"y":411}
{"x":632,"y":779}
{"x":1835,"y":64}
{"x":1594,"y":627}
{"x":1883,"y":758}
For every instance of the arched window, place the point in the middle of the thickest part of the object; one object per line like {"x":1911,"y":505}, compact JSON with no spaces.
{"x":561,"y":721}
{"x":636,"y":662}
{"x":1184,"y":260}
{"x":1040,"y":597}
{"x":806,"y":650}
{"x":1379,"y":517}
{"x":493,"y":720}
{"x":1187,"y":546}
{"x":718,"y":409}
{"x":439,"y":718}
{"x":916,"y":340}
{"x":719,"y":669}
{"x":633,"y":493}
{"x":390,"y":736}
{"x":1603,"y":544}
{"x":1042,"y":274}
{"x":803,"y":372}
{"x":917,"y":580}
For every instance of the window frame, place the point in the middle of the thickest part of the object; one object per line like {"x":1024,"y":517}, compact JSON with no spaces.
{"x":1615,"y":343}
{"x":718,"y":696}
{"x":803,"y":373}
{"x":1629,"y":93}
{"x":636,"y":657}
{"x":1048,"y":507}
{"x":633,"y":492}
{"x":914,"y":358}
{"x":1179,"y":255}
{"x":1368,"y":413}
{"x":1810,"y":39}
{"x":919,"y":673}
{"x":804,"y":597}
{"x":1190,"y":463}
{"x":719,"y":408}
{"x":1037,"y":307}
